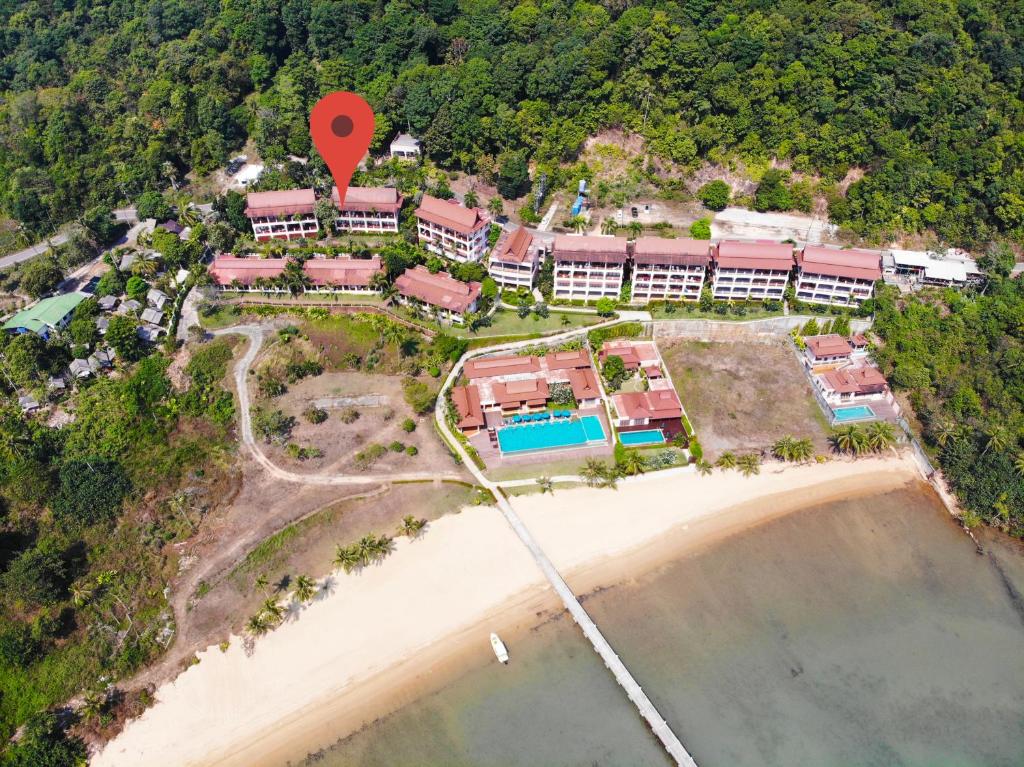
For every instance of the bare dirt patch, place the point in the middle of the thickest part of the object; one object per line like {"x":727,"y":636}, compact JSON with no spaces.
{"x":743,"y":395}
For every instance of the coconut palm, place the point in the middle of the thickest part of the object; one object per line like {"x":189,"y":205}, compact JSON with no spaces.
{"x":635,"y":229}
{"x":726,"y":460}
{"x":272,"y":611}
{"x":1018,"y":463}
{"x":997,"y":439}
{"x":849,"y":439}
{"x":469,"y":199}
{"x":802,"y":449}
{"x":880,"y":435}
{"x":593,"y":472}
{"x":943,"y":431}
{"x":748,"y":464}
{"x":633,"y":463}
{"x":93,"y":703}
{"x":546,"y":485}
{"x":704,"y":467}
{"x":411,"y":526}
{"x":261,"y":582}
{"x":783,"y":448}
{"x":578,"y":224}
{"x":608,"y":226}
{"x":347,"y":558}
{"x":496,"y":206}
{"x":257,"y":625}
{"x":304,"y":589}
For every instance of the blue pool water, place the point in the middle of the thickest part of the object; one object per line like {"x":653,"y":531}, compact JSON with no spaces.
{"x":855,"y":413}
{"x":550,"y":434}
{"x":645,"y":437}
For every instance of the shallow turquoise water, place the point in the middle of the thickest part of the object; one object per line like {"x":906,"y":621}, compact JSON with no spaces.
{"x":547,"y":435}
{"x":866,"y":632}
{"x":645,"y":437}
{"x":856,"y":413}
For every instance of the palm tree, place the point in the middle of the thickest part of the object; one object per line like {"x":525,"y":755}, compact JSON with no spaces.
{"x":749,"y":463}
{"x":633,"y":464}
{"x":411,"y":526}
{"x":469,"y":199}
{"x":880,"y":435}
{"x":943,"y":431}
{"x":593,"y":472}
{"x":635,"y":229}
{"x":272,"y":611}
{"x":496,"y":206}
{"x":783,"y":448}
{"x":1018,"y":462}
{"x":704,"y":467}
{"x":849,"y":439}
{"x":608,"y":226}
{"x":578,"y":224}
{"x":347,"y":558}
{"x":257,"y":625}
{"x":93,"y":703}
{"x":998,"y":439}
{"x":304,"y":590}
{"x":726,"y":460}
{"x":261,"y":582}
{"x":802,"y":450}
{"x":546,"y":485}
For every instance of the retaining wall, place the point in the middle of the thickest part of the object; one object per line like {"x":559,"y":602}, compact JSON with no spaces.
{"x":767,"y":329}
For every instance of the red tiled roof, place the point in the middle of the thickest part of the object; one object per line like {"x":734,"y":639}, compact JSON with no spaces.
{"x":584,"y":383}
{"x":514,"y":247}
{"x":450,"y":214}
{"x":858,"y":340}
{"x":226,"y":269}
{"x":834,"y":262}
{"x":467,"y":402}
{"x":626,"y":352}
{"x":439,"y":289}
{"x":756,"y":254}
{"x":653,"y":371}
{"x":356,"y":272}
{"x":658,"y":251}
{"x":529,"y":390}
{"x":608,"y":250}
{"x":505,"y":365}
{"x":577,"y":358}
{"x":865,"y":380}
{"x":831,"y":345}
{"x":383,"y":199}
{"x":660,"y":404}
{"x":284,"y":203}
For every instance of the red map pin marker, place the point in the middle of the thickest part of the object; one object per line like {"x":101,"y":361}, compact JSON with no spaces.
{"x":341,"y":125}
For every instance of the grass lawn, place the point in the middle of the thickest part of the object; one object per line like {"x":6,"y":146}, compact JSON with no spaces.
{"x":743,"y":396}
{"x":532,"y":470}
{"x":691,"y":311}
{"x":507,"y":323}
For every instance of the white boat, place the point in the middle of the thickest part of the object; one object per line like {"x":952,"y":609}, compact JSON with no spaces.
{"x":499,"y":648}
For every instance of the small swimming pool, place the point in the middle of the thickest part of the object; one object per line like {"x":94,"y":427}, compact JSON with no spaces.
{"x":645,"y":437}
{"x":546,"y":435}
{"x":855,"y":413}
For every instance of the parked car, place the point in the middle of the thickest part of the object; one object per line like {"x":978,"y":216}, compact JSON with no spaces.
{"x":235,"y":165}
{"x":634,"y":212}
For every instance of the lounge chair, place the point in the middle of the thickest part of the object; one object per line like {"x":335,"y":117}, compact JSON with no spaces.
{"x":517,"y":419}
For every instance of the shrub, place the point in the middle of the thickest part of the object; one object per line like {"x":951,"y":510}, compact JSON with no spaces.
{"x":396,"y":447}
{"x":296,"y":371}
{"x":270,"y":386}
{"x":91,"y":490}
{"x":38,"y":575}
{"x":715,"y":195}
{"x":272,"y":425}
{"x":369,"y":455}
{"x":314,"y":414}
{"x":411,"y":450}
{"x":18,"y":648}
{"x":701,"y":229}
{"x":303,"y":453}
{"x":387,"y":414}
{"x":408,"y":426}
{"x":419,"y":396}
{"x":348,"y":415}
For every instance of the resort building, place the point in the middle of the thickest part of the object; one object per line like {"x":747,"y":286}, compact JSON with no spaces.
{"x":751,"y":271}
{"x":467,"y":405}
{"x":405,"y":147}
{"x":449,"y":230}
{"x":589,"y":267}
{"x":450,"y":299}
{"x":342,"y":275}
{"x":326,"y":275}
{"x":916,"y":269}
{"x":45,"y":317}
{"x":514,"y":261}
{"x":851,"y":384}
{"x":644,"y":410}
{"x":669,"y":270}
{"x":834,"y":276}
{"x":830,"y":350}
{"x":514,"y":383}
{"x":372,"y":209}
{"x":633,"y":355}
{"x":287,"y":215}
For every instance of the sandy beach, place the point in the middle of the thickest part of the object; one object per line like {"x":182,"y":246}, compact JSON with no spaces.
{"x":380,"y":638}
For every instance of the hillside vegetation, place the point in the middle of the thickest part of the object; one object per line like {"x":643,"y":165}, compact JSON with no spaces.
{"x":105,"y":100}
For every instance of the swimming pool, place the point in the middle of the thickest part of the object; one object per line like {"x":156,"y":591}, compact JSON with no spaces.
{"x":855,"y":413}
{"x":645,"y":437}
{"x":546,"y":435}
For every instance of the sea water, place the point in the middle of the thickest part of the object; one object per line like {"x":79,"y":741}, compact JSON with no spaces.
{"x":866,"y":632}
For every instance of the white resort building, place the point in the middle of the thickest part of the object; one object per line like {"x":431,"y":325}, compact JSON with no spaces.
{"x":669,"y":270}
{"x":287,"y":215}
{"x":589,"y":267}
{"x":405,"y":147}
{"x":449,"y":230}
{"x":515,"y":260}
{"x":367,"y":209}
{"x":916,"y":269}
{"x":835,"y":276}
{"x":751,"y":271}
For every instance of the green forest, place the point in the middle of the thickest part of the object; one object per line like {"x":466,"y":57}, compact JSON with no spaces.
{"x":915,"y":104}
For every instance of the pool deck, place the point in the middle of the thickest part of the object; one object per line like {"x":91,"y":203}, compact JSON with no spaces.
{"x":494,"y":458}
{"x":883,"y":411}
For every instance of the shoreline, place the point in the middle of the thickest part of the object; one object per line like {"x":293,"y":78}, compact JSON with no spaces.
{"x":429,"y":608}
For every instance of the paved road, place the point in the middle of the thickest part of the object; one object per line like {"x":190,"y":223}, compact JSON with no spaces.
{"x":255,"y":334}
{"x":127,"y":215}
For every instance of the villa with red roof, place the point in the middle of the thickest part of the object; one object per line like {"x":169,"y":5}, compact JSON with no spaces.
{"x":751,"y":270}
{"x":831,"y":350}
{"x":643,"y":410}
{"x":835,"y":276}
{"x":449,"y":298}
{"x":450,"y":230}
{"x":466,"y":400}
{"x":513,"y":383}
{"x":514,"y":261}
{"x":326,"y":275}
{"x":367,"y":209}
{"x":589,"y":267}
{"x":284,"y":215}
{"x":669,"y":270}
{"x":851,"y":384}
